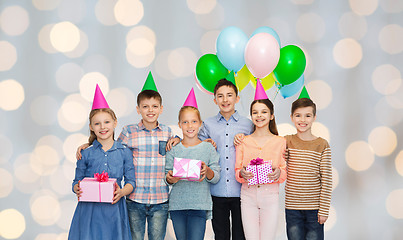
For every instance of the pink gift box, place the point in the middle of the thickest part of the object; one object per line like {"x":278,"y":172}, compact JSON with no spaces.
{"x":95,"y":191}
{"x":260,"y":172}
{"x":187,"y":169}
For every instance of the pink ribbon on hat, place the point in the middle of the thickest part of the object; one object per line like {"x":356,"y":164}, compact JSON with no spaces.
{"x":256,"y":161}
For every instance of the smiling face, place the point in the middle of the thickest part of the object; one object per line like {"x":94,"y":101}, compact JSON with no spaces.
{"x":261,"y":115}
{"x":103,"y":125}
{"x":189,"y":122}
{"x":226,"y":98}
{"x":149,"y":109}
{"x":303,"y":119}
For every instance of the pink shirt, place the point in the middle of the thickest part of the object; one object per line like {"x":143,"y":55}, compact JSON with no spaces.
{"x":273,"y":149}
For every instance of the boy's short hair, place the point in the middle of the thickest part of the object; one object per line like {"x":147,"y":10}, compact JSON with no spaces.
{"x":225,"y":82}
{"x":301,"y":103}
{"x":148,"y":94}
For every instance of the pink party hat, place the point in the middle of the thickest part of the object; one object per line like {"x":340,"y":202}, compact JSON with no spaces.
{"x":99,"y":99}
{"x":260,"y":92}
{"x":191,"y":100}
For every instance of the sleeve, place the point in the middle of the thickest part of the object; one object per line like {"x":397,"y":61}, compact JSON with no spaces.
{"x":81,"y":166}
{"x":239,"y":162}
{"x":326,"y":182}
{"x":170,"y":134}
{"x":169,"y":163}
{"x":124,"y":136}
{"x":282,"y":163}
{"x":128,"y":168}
{"x":214,"y":164}
{"x":204,"y":132}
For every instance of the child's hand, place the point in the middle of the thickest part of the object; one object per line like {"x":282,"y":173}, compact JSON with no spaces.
{"x":78,"y":190}
{"x":238,"y":139}
{"x":171,"y":179}
{"x":118,"y":194}
{"x":203,"y":171}
{"x":82,"y":147}
{"x":321,"y":219}
{"x":245,"y":174}
{"x":211,"y":141}
{"x":275,"y":174}
{"x":171,"y":143}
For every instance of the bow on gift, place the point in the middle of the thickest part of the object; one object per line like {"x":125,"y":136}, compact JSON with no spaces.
{"x":103,"y":177}
{"x":256,"y":161}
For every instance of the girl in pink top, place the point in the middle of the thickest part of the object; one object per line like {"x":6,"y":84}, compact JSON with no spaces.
{"x":260,"y":203}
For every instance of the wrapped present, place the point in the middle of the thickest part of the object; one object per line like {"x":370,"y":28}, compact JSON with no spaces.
{"x":100,"y":188}
{"x":187,"y":169}
{"x":260,"y":169}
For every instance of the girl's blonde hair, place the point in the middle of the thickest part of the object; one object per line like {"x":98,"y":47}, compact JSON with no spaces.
{"x":92,"y":114}
{"x":187,"y":108}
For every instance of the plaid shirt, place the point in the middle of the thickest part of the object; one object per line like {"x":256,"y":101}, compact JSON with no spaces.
{"x":149,"y":165}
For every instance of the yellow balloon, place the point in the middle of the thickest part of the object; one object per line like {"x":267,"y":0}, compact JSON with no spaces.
{"x":243,"y":77}
{"x":267,"y":82}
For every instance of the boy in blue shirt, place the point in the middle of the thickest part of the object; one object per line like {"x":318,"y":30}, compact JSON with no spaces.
{"x":221,"y":129}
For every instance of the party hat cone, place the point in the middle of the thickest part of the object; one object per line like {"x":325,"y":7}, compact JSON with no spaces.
{"x":149,"y":84}
{"x":99,"y":100}
{"x":260,"y":93}
{"x":231,"y":77}
{"x":304,"y":93}
{"x":191,"y":99}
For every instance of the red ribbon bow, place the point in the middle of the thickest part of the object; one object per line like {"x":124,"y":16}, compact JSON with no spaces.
{"x":103,"y":177}
{"x":256,"y":161}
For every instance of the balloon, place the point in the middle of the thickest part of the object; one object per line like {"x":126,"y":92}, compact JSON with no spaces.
{"x":268,"y":30}
{"x":292,"y":88}
{"x":262,"y":54}
{"x":291,"y":64}
{"x":267,"y":82}
{"x":231,"y":47}
{"x":200,"y":86}
{"x":243,"y":77}
{"x":209,"y":70}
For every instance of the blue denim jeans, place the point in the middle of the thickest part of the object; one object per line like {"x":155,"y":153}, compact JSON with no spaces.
{"x":303,"y":225}
{"x":189,"y":224}
{"x":156,"y":216}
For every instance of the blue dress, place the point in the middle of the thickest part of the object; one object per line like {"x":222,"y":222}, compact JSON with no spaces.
{"x":99,"y":221}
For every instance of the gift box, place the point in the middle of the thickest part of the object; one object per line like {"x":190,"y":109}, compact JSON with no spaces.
{"x":260,"y":170}
{"x":97,"y":189}
{"x":187,"y":169}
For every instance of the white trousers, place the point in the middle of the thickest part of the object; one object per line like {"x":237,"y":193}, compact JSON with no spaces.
{"x":259,"y":208}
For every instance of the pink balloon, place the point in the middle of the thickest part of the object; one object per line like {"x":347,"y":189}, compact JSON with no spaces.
{"x":262,"y":53}
{"x":200,"y":87}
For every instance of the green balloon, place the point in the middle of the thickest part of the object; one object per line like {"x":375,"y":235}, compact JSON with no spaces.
{"x":209,"y":70}
{"x":291,"y":64}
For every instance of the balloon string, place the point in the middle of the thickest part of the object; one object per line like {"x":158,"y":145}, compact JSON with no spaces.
{"x":278,"y":88}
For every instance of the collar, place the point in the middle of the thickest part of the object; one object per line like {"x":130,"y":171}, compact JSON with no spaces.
{"x":235,"y":116}
{"x":115,"y":145}
{"x":142,"y":127}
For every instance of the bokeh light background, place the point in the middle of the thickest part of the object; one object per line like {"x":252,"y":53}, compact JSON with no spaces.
{"x":52,"y":52}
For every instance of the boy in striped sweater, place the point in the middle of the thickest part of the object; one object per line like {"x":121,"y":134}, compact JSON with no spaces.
{"x":309,"y":175}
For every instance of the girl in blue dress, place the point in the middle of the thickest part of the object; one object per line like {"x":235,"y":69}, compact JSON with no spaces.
{"x":96,"y":220}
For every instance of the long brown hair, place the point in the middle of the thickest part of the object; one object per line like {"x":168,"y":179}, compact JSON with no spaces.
{"x":92,"y":114}
{"x":272,"y":123}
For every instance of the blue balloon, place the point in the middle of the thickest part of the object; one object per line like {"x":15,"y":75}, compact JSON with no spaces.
{"x":292,"y":88}
{"x":267,"y":30}
{"x":230,"y":46}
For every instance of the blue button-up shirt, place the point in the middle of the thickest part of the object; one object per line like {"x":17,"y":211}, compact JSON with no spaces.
{"x":117,"y":162}
{"x":223,"y":132}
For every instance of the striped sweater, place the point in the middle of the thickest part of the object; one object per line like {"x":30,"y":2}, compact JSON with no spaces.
{"x":309,"y":175}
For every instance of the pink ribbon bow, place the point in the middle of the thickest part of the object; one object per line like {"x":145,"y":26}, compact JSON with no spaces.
{"x":256,"y":161}
{"x":103,"y":177}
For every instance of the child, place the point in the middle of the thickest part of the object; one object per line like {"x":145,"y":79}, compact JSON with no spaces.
{"x":222,"y":129}
{"x":147,"y":140}
{"x":95,"y":220}
{"x":309,"y":182}
{"x":260,"y":203}
{"x":190,"y":203}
